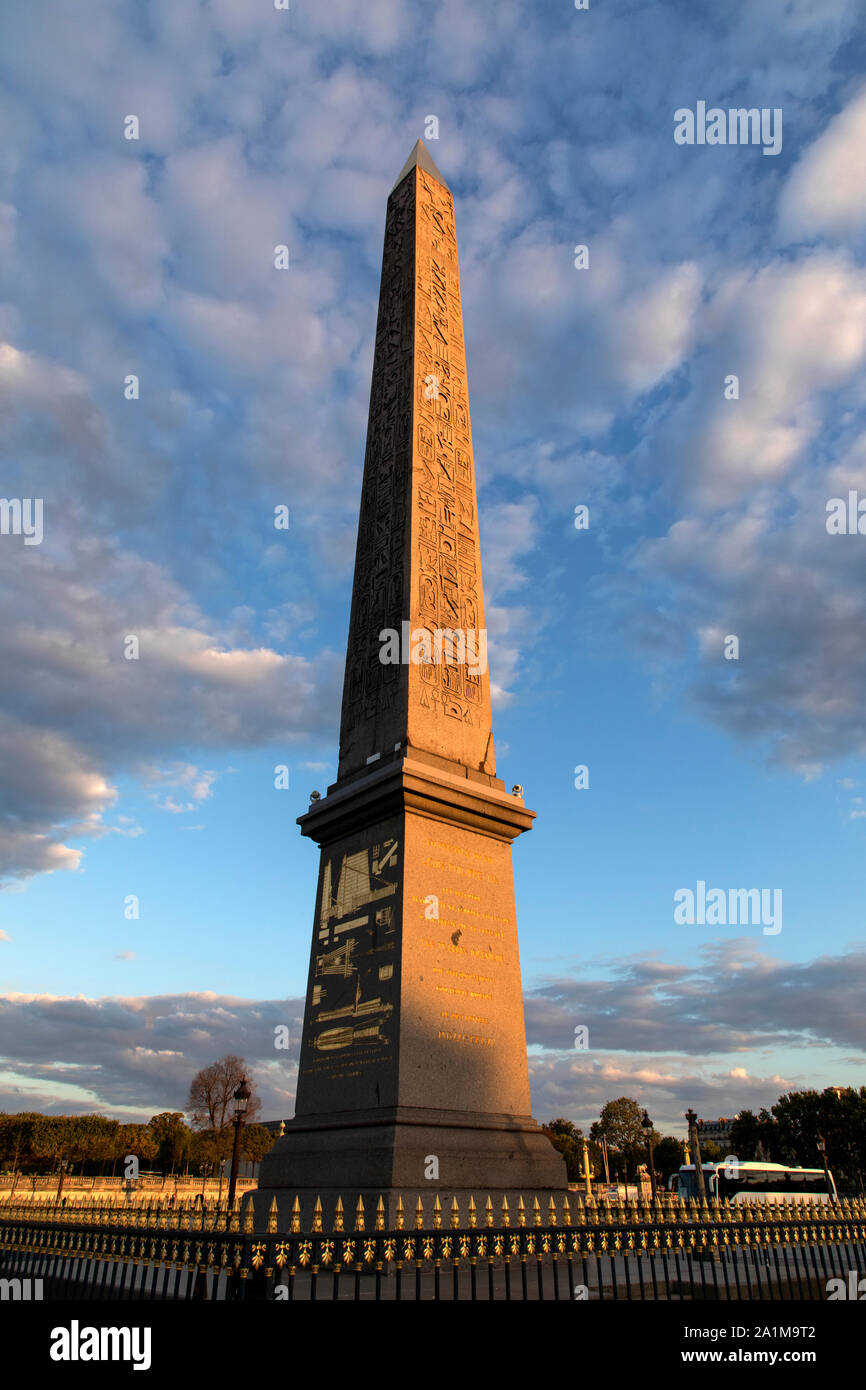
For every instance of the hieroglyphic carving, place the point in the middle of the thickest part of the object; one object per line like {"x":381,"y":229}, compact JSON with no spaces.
{"x":418,"y":476}
{"x":444,"y":502}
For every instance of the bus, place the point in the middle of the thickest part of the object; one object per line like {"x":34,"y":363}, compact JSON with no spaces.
{"x":733,"y":1181}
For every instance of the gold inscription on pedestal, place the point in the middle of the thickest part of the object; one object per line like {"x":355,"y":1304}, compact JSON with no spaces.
{"x":465,"y":1038}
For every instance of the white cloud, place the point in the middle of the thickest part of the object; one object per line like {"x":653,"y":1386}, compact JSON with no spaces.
{"x":826,"y":191}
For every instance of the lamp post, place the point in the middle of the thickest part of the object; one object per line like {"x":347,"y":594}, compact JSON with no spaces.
{"x":647,"y":1127}
{"x":63,"y":1166}
{"x":586,"y":1177}
{"x":695,"y":1148}
{"x":241,"y":1098}
{"x":822,"y":1149}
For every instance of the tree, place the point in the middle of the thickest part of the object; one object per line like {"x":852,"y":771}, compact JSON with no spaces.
{"x":136,"y":1141}
{"x":209,"y":1147}
{"x":836,"y":1114}
{"x":755,"y":1137}
{"x":668,"y":1156}
{"x":172,"y":1138}
{"x":16,"y":1140}
{"x":568,"y":1139}
{"x":256,"y":1141}
{"x":90,"y":1139}
{"x":620,"y":1123}
{"x":211,"y":1093}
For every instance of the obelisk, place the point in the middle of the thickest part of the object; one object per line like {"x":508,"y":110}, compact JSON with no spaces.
{"x":413,"y":1075}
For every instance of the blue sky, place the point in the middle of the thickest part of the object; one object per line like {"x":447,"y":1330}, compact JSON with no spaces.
{"x":602,"y":386}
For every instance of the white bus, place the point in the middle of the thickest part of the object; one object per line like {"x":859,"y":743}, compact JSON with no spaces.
{"x":733,"y":1181}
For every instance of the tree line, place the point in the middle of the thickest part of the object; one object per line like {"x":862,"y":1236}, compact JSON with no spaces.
{"x":95,"y":1145}
{"x":788,"y":1132}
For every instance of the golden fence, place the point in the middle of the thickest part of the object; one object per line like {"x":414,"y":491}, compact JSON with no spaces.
{"x":659,"y":1249}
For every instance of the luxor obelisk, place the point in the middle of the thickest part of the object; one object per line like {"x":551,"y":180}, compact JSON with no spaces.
{"x":413,"y":1076}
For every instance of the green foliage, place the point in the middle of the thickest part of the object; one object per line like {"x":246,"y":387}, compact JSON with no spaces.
{"x":172,"y":1137}
{"x":255,"y":1142}
{"x":568,"y":1139}
{"x":668,"y":1156}
{"x":208,"y":1147}
{"x":137,"y":1140}
{"x":36,"y":1143}
{"x":621,"y":1124}
{"x":752,"y":1135}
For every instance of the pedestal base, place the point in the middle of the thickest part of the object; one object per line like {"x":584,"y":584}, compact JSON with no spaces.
{"x":389,"y":1156}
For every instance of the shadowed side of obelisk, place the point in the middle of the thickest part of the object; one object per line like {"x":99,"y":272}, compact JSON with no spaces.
{"x":375,"y":693}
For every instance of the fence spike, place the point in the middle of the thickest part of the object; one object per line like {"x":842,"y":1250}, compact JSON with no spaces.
{"x":380,"y":1214}
{"x":473,"y":1219}
{"x":272,"y":1217}
{"x":437,"y":1213}
{"x":249,"y":1224}
{"x":359,"y":1214}
{"x":399,"y":1219}
{"x":338,"y":1215}
{"x":566,"y":1212}
{"x":419,"y":1215}
{"x":455,"y":1214}
{"x":317,"y":1215}
{"x":505,"y":1221}
{"x":551,"y":1212}
{"x":536,"y":1212}
{"x":521,"y":1212}
{"x":488,"y":1213}
{"x":295,"y":1224}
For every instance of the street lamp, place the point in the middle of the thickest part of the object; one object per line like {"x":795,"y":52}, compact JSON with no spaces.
{"x":695,"y":1148}
{"x":822,"y":1149}
{"x":647,"y":1127}
{"x":241,"y":1098}
{"x":64,"y":1163}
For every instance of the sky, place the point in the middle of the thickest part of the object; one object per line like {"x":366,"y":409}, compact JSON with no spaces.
{"x":605,"y":386}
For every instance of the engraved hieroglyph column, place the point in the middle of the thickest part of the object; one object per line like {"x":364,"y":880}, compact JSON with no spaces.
{"x":414,"y":1043}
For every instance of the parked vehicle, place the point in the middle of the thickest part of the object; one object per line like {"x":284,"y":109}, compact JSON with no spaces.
{"x":740,"y":1182}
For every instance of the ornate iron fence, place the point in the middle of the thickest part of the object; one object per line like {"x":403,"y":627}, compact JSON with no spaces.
{"x":634,"y":1250}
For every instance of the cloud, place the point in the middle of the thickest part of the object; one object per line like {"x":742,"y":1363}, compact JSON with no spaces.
{"x":74,"y":602}
{"x":825,"y":195}
{"x":134,"y":1057}
{"x":156,"y":257}
{"x":737,"y":998}
{"x":657,"y":1030}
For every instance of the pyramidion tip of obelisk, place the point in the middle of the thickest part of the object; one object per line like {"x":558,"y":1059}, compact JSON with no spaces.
{"x":421,"y":156}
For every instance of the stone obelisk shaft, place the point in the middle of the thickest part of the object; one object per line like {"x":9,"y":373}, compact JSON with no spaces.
{"x":417,"y":567}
